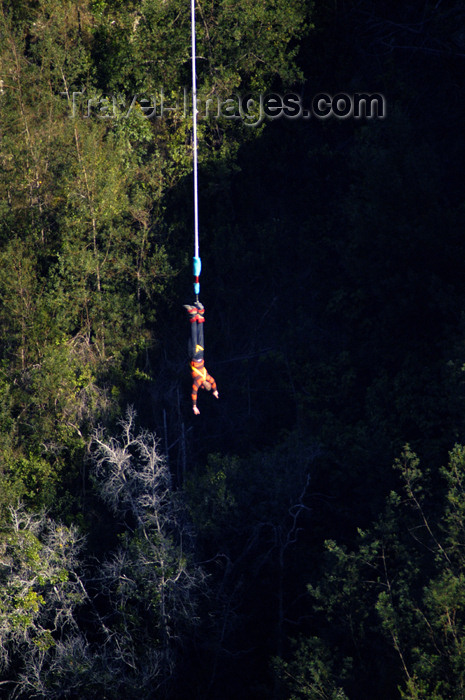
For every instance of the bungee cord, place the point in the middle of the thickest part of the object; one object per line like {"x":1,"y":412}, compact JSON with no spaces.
{"x":197,"y":263}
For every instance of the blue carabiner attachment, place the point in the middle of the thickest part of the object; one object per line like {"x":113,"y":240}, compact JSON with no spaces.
{"x":197,"y":271}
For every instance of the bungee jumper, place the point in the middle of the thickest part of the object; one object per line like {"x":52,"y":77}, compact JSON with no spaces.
{"x":200,"y":377}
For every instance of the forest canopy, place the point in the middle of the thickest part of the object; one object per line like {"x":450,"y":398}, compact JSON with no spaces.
{"x":302,"y":537}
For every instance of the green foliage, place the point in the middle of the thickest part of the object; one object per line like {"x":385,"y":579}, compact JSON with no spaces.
{"x":311,"y":674}
{"x":403,"y":583}
{"x":340,"y":327}
{"x":212,"y":496}
{"x":231,"y":497}
{"x":454,"y":526}
{"x":239,"y":45}
{"x":40,"y":587}
{"x":139,"y":600}
{"x":33,"y":481}
{"x":83,"y":253}
{"x":150,"y":581}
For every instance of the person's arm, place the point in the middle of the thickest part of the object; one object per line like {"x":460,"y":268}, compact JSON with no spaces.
{"x":214,"y":387}
{"x":194,"y":393}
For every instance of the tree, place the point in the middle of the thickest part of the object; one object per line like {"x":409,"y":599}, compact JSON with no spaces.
{"x":395,"y":603}
{"x":150,"y":582}
{"x":250,"y":514}
{"x":41,"y":589}
{"x":70,"y":625}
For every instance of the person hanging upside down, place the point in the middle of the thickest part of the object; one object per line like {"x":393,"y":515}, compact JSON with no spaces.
{"x":200,"y":377}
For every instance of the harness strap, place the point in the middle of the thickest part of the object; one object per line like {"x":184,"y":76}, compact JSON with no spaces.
{"x":200,"y":372}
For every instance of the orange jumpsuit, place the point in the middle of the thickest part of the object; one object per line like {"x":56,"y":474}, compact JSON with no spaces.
{"x":199,"y":376}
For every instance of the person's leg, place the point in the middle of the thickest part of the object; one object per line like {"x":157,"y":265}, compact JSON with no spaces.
{"x":200,"y":338}
{"x":193,"y":339}
{"x":196,"y":342}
